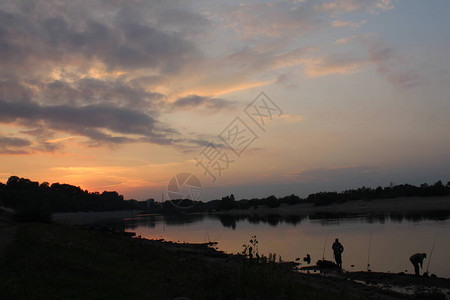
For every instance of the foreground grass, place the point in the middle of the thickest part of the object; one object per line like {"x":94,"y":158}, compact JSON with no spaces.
{"x":50,"y":261}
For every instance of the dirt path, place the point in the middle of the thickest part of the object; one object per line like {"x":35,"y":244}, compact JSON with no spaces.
{"x":8,"y":229}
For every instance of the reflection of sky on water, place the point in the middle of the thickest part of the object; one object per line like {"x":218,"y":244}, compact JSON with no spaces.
{"x":394,"y":238}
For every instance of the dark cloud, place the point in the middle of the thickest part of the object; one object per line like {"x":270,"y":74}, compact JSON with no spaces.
{"x":104,"y":111}
{"x":82,"y":68}
{"x":45,"y":146}
{"x":13,"y":145}
{"x":114,"y":37}
{"x":95,"y":91}
{"x":100,"y":122}
{"x":195,"y":102}
{"x":13,"y":142}
{"x":12,"y":152}
{"x":14,"y":91}
{"x":38,"y":143}
{"x":145,"y":46}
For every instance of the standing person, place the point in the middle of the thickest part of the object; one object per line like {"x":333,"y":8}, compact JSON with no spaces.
{"x":417,"y":259}
{"x":337,"y":250}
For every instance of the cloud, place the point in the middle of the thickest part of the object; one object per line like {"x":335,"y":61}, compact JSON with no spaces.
{"x":291,"y":118}
{"x":36,"y":140}
{"x":391,"y":65}
{"x":13,"y":145}
{"x":273,"y":19}
{"x":388,"y":61}
{"x":99,"y":122}
{"x":13,"y":142}
{"x":290,"y":19}
{"x":334,"y":64}
{"x":345,"y":40}
{"x":345,"y":6}
{"x":92,"y":68}
{"x":195,"y":102}
{"x":82,"y":91}
{"x":19,"y":146}
{"x":81,"y":34}
{"x":241,"y":69}
{"x":340,"y":23}
{"x":107,"y":71}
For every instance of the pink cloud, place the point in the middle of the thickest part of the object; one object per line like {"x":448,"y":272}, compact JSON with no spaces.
{"x":341,"y":23}
{"x":334,"y":64}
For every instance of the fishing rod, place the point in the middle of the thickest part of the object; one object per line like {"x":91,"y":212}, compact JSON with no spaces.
{"x":323,"y":254}
{"x":431,"y":253}
{"x":207,"y":234}
{"x":368,"y":255}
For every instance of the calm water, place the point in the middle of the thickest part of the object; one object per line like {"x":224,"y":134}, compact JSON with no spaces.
{"x":393,"y":239}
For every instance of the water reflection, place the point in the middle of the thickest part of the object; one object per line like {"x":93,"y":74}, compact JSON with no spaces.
{"x":231,"y":221}
{"x":150,"y":220}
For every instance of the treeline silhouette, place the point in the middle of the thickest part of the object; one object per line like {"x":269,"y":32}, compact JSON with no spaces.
{"x":34,"y":201}
{"x":229,"y":202}
{"x":326,"y":198}
{"x":365,"y":193}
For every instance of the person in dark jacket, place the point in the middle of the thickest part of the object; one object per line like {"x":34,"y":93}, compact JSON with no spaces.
{"x":416,"y":260}
{"x":337,"y":250}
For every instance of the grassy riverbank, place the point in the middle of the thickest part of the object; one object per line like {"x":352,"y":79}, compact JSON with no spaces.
{"x":49,"y":261}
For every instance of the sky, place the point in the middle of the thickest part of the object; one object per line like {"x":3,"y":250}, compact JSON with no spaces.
{"x":254,"y":98}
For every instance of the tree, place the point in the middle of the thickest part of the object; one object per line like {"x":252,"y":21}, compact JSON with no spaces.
{"x":45,"y":185}
{"x":12,"y":181}
{"x":272,"y":201}
{"x":227,"y":202}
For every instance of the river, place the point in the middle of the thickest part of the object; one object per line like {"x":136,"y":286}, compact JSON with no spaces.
{"x":385,"y":242}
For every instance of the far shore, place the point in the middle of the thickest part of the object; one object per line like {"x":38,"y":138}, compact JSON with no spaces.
{"x":391,"y":205}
